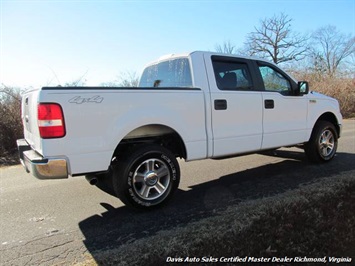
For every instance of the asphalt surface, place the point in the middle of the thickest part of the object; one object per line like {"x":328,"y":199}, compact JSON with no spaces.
{"x":66,"y":221}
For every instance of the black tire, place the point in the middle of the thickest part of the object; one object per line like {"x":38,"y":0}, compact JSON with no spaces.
{"x":147,"y":177}
{"x":323,"y":143}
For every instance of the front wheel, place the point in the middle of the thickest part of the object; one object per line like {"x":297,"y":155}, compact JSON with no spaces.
{"x":323,"y":143}
{"x":147,"y":177}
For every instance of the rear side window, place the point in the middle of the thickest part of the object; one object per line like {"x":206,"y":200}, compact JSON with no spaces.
{"x":171,"y":73}
{"x":232,"y":75}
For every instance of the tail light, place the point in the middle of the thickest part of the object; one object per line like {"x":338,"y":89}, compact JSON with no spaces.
{"x":50,"y":120}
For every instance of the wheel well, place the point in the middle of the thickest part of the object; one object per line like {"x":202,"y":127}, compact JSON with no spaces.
{"x":157,"y":134}
{"x":330,"y":117}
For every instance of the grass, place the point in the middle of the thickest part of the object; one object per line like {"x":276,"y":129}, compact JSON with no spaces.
{"x":316,"y":220}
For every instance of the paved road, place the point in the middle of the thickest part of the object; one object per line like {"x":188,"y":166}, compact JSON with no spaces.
{"x":63,"y":221}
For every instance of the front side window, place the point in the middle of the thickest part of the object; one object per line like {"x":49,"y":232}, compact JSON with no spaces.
{"x":171,"y":73}
{"x":232,"y":75}
{"x":274,"y":81}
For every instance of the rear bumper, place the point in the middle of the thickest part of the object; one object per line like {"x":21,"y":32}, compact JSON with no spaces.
{"x":40,"y":167}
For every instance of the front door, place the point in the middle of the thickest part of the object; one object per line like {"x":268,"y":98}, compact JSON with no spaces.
{"x":285,"y":115}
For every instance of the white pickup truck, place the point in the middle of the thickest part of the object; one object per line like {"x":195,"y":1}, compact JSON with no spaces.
{"x":194,"y":106}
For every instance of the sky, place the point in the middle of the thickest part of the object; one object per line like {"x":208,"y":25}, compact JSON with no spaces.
{"x":50,"y":42}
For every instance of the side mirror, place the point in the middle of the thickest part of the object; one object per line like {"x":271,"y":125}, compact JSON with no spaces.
{"x":302,"y":88}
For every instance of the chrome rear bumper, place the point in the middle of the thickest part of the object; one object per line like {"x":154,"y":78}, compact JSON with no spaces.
{"x":42,"y":168}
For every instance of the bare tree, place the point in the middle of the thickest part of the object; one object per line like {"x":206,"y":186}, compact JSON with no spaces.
{"x":331,"y":49}
{"x":10,"y":120}
{"x":6,"y":93}
{"x":79,"y":82}
{"x":128,"y":79}
{"x":275,"y":40}
{"x":226,"y":48}
{"x":125,"y":79}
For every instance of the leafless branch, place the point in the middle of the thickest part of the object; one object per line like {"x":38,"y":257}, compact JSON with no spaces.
{"x":331,"y":48}
{"x":274,"y":39}
{"x":226,"y":48}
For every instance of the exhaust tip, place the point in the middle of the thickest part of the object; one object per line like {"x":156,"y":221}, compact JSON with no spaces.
{"x":91,"y":179}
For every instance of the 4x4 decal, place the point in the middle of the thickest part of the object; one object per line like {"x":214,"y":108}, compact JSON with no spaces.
{"x":81,"y":100}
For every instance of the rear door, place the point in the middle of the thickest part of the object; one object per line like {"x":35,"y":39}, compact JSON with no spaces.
{"x":236,"y":106}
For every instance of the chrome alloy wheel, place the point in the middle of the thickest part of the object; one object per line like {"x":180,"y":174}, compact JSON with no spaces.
{"x":326,"y":143}
{"x":151,"y":179}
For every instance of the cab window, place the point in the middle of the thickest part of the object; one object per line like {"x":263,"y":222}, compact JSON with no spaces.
{"x":170,"y":73}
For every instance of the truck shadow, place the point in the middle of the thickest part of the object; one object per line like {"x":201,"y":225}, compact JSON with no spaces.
{"x":119,"y":226}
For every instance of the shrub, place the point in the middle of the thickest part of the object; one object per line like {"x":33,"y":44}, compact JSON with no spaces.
{"x":341,"y":88}
{"x":10,"y":120}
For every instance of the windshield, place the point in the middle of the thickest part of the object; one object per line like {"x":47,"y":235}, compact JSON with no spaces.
{"x":171,"y":73}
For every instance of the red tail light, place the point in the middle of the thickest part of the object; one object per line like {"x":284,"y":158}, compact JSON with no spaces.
{"x":50,"y":120}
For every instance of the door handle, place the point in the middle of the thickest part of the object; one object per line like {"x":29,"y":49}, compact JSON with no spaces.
{"x":269,"y":104}
{"x":220,"y":104}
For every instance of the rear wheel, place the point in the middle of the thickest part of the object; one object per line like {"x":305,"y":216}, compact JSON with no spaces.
{"x":147,"y":177}
{"x":323,"y":143}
